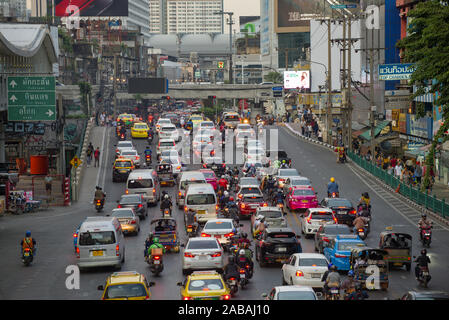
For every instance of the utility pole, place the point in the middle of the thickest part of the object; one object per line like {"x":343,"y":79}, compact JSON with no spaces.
{"x":329,"y":86}
{"x":230,"y":22}
{"x":114,"y":86}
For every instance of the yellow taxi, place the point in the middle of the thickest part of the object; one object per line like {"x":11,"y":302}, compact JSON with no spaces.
{"x":204,"y":285}
{"x":127,"y":119}
{"x":128,"y":285}
{"x":121,"y":169}
{"x":196,"y":119}
{"x":140,"y":130}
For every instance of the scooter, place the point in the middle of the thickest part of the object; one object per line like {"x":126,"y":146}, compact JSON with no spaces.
{"x":243,"y":278}
{"x":426,"y":236}
{"x":424,"y":276}
{"x":98,"y":205}
{"x":192,"y":230}
{"x":334,"y":293}
{"x":148,"y":159}
{"x":166,"y":213}
{"x":232,"y":285}
{"x":27,"y":256}
{"x":156,"y":264}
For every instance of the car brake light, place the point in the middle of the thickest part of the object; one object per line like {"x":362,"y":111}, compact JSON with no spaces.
{"x":133,"y":221}
{"x":77,"y":252}
{"x":189,"y":255}
{"x":179,"y":193}
{"x":126,"y":191}
{"x":137,"y":157}
{"x":140,"y":205}
{"x":185,"y":209}
{"x":75,"y":235}
{"x":216,"y":207}
{"x":265,"y":205}
{"x":226,"y":297}
{"x":242,"y":205}
{"x":353,"y":212}
{"x":117,"y":250}
{"x":119,"y":206}
{"x":240,"y":196}
{"x":187,"y":298}
{"x":299,"y":273}
{"x":205,"y":235}
{"x":156,"y":257}
{"x":229,"y":234}
{"x":326,"y":239}
{"x":309,"y":218}
{"x":216,"y":255}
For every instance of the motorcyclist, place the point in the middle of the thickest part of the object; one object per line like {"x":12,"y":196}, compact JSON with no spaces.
{"x":358,"y":294}
{"x":99,"y":195}
{"x":232,"y":208}
{"x":166,"y":203}
{"x":28,"y":242}
{"x":242,"y":259}
{"x":424,"y":223}
{"x":236,"y":171}
{"x":278,"y":197}
{"x":243,"y":241}
{"x":148,"y":243}
{"x":421,"y":262}
{"x":223,"y":184}
{"x":349,"y":283}
{"x":147,"y":152}
{"x":251,"y":170}
{"x":231,"y":270}
{"x":277,"y":164}
{"x":155,"y":245}
{"x":333,"y":279}
{"x":332,"y":187}
{"x":123,"y":130}
{"x":364,"y":199}
{"x":224,"y":199}
{"x":271,"y":182}
{"x":358,"y":223}
{"x":284,"y":165}
{"x":259,"y":225}
{"x":341,"y":153}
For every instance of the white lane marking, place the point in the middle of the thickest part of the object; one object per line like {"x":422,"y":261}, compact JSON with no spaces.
{"x":100,"y":165}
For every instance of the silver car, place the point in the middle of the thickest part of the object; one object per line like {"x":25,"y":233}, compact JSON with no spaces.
{"x":221,"y":229}
{"x":202,"y":253}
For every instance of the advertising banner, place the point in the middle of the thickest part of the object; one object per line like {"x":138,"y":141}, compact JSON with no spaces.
{"x":91,"y":8}
{"x":396,"y":71}
{"x":294,"y":15}
{"x":297,"y":79}
{"x":265,"y":28}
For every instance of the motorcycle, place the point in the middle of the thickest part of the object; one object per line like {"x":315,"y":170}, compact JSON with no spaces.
{"x":99,"y":205}
{"x":362,"y":233}
{"x":342,"y":159}
{"x":426,"y":236}
{"x":424,"y":276}
{"x":122,"y":137}
{"x":150,"y":139}
{"x":27,"y":256}
{"x":334,"y":293}
{"x":148,"y":159}
{"x":166,"y":213}
{"x":333,"y":194}
{"x":232,"y":285}
{"x":156,"y":264}
{"x":243,"y":278}
{"x":191,"y":230}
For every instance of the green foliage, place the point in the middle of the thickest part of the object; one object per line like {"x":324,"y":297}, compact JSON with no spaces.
{"x":427,"y":46}
{"x":274,"y":77}
{"x":85,"y":90}
{"x":67,"y":41}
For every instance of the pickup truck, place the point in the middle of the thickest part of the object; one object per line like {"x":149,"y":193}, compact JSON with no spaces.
{"x":279,"y":155}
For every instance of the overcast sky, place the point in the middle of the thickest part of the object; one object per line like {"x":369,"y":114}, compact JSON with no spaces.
{"x":241,"y":8}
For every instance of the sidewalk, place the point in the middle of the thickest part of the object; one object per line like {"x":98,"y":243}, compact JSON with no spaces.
{"x":98,"y":137}
{"x":440,"y":190}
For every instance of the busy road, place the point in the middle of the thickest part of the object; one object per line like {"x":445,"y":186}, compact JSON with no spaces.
{"x":46,"y":278}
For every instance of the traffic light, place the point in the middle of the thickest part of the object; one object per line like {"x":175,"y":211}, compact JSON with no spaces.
{"x":166,"y":97}
{"x":220,"y":64}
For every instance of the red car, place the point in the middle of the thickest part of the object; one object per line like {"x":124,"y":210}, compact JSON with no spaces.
{"x":249,"y":203}
{"x":301,"y":198}
{"x":210,"y":178}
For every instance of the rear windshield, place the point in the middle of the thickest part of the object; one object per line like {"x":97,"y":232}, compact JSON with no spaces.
{"x":253,"y":199}
{"x":250,"y":191}
{"x":255,"y":151}
{"x":282,"y":154}
{"x":271,"y":214}
{"x":348,"y":246}
{"x":209,"y":175}
{"x":168,"y":129}
{"x":96,"y":238}
{"x":200,"y":199}
{"x":312,"y":262}
{"x":244,"y":127}
{"x":331,"y":230}
{"x":209,"y":244}
{"x":207,"y":124}
{"x":248,"y":181}
{"x":130,"y":199}
{"x":280,"y":235}
{"x":140,"y":126}
{"x":123,"y":164}
{"x":185,"y":183}
{"x":164,"y":121}
{"x":303,"y":192}
{"x":322,"y":215}
{"x":288,"y":173}
{"x":231,"y":118}
{"x":218,"y":225}
{"x":196,"y":118}
{"x":140,"y":183}
{"x":128,"y":153}
{"x":127,"y":290}
{"x":206,"y":285}
{"x":122,"y":214}
{"x":339,"y":203}
{"x":296,"y":295}
{"x":125,"y":145}
{"x":300,"y":182}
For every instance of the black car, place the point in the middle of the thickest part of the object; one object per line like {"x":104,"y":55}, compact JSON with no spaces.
{"x":279,"y":155}
{"x":216,"y":165}
{"x":135,"y":201}
{"x":327,"y":232}
{"x":425,"y":295}
{"x":343,"y":209}
{"x":276,"y":245}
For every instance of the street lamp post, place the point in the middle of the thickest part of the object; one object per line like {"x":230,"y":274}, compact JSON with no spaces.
{"x":230,"y":14}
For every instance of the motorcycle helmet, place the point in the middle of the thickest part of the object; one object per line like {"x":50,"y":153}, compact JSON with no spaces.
{"x":222,"y":176}
{"x":28,"y":233}
{"x":350,"y":273}
{"x":231,"y":199}
{"x":334,"y":268}
{"x":242,"y":252}
{"x":244,"y":235}
{"x":332,"y":179}
{"x":365,"y":195}
{"x":423,"y":251}
{"x":166,"y":197}
{"x":156,"y":240}
{"x":424,"y":215}
{"x":226,"y":194}
{"x":329,"y":266}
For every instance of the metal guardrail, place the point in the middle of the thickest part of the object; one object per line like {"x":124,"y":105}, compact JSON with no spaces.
{"x":414,"y":194}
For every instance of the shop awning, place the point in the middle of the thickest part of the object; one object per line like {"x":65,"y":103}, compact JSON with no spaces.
{"x":380,"y":126}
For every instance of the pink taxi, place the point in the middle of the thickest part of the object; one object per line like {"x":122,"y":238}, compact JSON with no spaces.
{"x":210,"y":177}
{"x":301,"y":198}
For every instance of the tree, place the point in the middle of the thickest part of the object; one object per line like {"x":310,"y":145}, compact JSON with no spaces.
{"x":427,"y":46}
{"x":274,"y":77}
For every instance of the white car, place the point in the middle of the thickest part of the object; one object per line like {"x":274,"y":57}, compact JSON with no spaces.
{"x":123,"y":145}
{"x":207,"y":125}
{"x":202,"y":253}
{"x":165,"y":144}
{"x":256,"y":154}
{"x":255,"y":144}
{"x":292,"y":293}
{"x":284,"y":174}
{"x":248,"y":189}
{"x":130,"y":154}
{"x":176,"y":164}
{"x":170,"y":154}
{"x":162,"y":122}
{"x":243,"y":127}
{"x":169,"y":131}
{"x":305,"y":269}
{"x":221,"y":229}
{"x":315,"y":217}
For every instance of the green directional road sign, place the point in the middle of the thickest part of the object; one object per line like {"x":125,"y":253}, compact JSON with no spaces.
{"x":31,"y":98}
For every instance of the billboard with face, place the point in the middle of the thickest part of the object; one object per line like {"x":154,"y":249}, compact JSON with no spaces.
{"x":297,"y":79}
{"x":91,"y":8}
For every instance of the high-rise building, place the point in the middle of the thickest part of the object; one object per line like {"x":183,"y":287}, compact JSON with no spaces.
{"x":14,"y":8}
{"x":139,"y":17}
{"x":158,"y":21}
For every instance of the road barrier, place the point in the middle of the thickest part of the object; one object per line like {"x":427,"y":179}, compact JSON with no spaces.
{"x":414,"y":194}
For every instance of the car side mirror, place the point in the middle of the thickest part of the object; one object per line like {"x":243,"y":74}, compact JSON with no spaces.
{"x":241,"y":225}
{"x":179,"y":284}
{"x":101,"y":288}
{"x":182,"y":245}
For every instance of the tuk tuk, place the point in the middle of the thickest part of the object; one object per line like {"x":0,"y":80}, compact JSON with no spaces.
{"x":362,"y":261}
{"x":166,"y":230}
{"x":399,"y":248}
{"x":165,"y":174}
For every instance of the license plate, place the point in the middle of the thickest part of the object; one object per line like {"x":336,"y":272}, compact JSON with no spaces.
{"x":425,"y":273}
{"x":97,"y":253}
{"x":26,"y":253}
{"x":242,"y":275}
{"x":304,"y":201}
{"x":189,"y":230}
{"x":214,"y":167}
{"x":201,"y":211}
{"x":203,"y":257}
{"x":217,"y":236}
{"x":334,"y":291}
{"x":157,"y":262}
{"x":123,"y":171}
{"x":341,"y":212}
{"x":397,"y":264}
{"x":316,"y":275}
{"x":281,"y":249}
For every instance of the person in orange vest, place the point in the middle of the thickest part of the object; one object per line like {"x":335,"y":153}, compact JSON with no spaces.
{"x":28,"y":242}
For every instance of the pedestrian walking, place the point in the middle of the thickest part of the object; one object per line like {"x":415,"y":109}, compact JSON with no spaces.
{"x":97,"y":157}
{"x":48,"y":181}
{"x":398,"y":170}
{"x":89,"y":153}
{"x":102,"y":119}
{"x":320,"y":136}
{"x":309,"y":131}
{"x":418,"y":173}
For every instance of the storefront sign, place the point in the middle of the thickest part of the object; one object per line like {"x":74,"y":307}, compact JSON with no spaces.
{"x":420,"y":127}
{"x":396,"y":71}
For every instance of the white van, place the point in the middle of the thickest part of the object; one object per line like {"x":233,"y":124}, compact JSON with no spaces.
{"x":186,"y":178}
{"x":146,"y":183}
{"x":100,"y":243}
{"x":202,"y":199}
